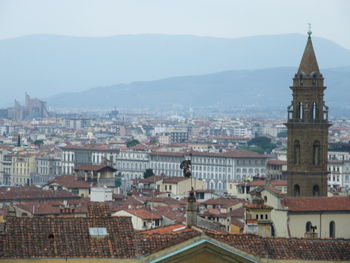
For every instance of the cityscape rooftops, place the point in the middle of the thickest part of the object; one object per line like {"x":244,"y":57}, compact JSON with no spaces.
{"x":303,"y":204}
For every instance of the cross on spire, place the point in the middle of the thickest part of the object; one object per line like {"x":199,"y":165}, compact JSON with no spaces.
{"x":309,"y":32}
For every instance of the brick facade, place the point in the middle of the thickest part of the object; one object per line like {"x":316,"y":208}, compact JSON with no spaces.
{"x":307,"y":130}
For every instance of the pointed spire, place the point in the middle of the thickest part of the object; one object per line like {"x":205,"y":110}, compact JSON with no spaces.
{"x":308,"y":63}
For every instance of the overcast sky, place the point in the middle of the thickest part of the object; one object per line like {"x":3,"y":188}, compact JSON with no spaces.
{"x":218,"y":18}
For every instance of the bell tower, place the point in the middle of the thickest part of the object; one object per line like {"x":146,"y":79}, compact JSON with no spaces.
{"x":307,"y":130}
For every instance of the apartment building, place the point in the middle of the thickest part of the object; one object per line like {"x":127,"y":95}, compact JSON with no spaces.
{"x":217,"y":169}
{"x":23,"y":167}
{"x":47,"y":168}
{"x":339,"y":169}
{"x":132,"y":164}
{"x":73,"y":156}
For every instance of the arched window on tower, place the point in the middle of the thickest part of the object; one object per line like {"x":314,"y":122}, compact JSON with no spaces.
{"x":296,"y":152}
{"x":325,"y":112}
{"x":316,"y":190}
{"x":316,"y":153}
{"x":314,"y":111}
{"x":290,"y":112}
{"x":301,"y":78}
{"x":332,"y":229}
{"x":301,"y":110}
{"x":308,"y":227}
{"x":314,"y":78}
{"x":296,"y":190}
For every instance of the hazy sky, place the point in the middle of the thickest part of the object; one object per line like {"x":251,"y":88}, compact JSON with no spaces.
{"x":219,"y":18}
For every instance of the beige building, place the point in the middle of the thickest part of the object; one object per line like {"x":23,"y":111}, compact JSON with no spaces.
{"x":71,"y":183}
{"x":142,"y":219}
{"x":294,"y":217}
{"x":258,"y":217}
{"x":179,"y":187}
{"x":327,"y":217}
{"x":23,"y":165}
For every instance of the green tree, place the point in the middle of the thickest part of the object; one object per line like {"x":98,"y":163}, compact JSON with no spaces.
{"x":262,"y":142}
{"x":132,"y":143}
{"x":118,"y":182}
{"x":148,"y":173}
{"x":39,"y":142}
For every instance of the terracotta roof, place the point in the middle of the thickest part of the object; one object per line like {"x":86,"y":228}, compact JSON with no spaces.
{"x":58,"y":237}
{"x":152,"y":179}
{"x":223,"y":202}
{"x":94,"y":168}
{"x":144,"y":213}
{"x":279,"y":183}
{"x":164,"y":200}
{"x":71,"y":181}
{"x":239,"y":212}
{"x":172,"y":229}
{"x":304,"y":204}
{"x":237,"y":222}
{"x":262,"y":206}
{"x":54,"y":207}
{"x":168,"y":153}
{"x":287,"y":248}
{"x":30,"y":193}
{"x":96,"y":209}
{"x":153,"y":242}
{"x":174,"y":180}
{"x":174,"y":213}
{"x":98,"y":147}
{"x":252,"y":221}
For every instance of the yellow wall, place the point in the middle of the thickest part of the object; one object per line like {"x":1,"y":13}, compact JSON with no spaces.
{"x":22,"y":167}
{"x":234,"y":229}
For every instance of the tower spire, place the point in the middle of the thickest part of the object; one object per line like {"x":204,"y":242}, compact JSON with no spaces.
{"x":308,"y":63}
{"x":309,"y":32}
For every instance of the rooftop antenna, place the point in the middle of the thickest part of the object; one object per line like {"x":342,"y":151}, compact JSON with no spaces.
{"x":309,"y":32}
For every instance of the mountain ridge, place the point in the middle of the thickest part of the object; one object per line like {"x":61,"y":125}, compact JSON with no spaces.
{"x":267,"y":88}
{"x":44,"y":65}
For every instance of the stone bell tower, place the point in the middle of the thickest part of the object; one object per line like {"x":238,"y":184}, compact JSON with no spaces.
{"x":307,"y":130}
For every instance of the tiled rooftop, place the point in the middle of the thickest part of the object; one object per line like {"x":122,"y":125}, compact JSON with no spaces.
{"x":30,"y":193}
{"x":94,"y":168}
{"x":59,"y":237}
{"x":317,"y":204}
{"x":67,"y":237}
{"x":288,"y":248}
{"x":71,"y":181}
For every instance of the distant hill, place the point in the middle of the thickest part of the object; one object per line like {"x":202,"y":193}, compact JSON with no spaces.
{"x":265,"y":88}
{"x":44,"y":65}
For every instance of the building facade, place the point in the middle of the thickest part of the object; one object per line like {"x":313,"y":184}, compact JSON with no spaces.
{"x":47,"y":168}
{"x":217,"y":169}
{"x":73,"y":156}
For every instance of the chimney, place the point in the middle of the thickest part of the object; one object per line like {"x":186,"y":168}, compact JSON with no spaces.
{"x":11,"y":211}
{"x":191,"y":211}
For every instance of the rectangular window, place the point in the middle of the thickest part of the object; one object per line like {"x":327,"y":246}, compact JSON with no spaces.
{"x":98,"y":231}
